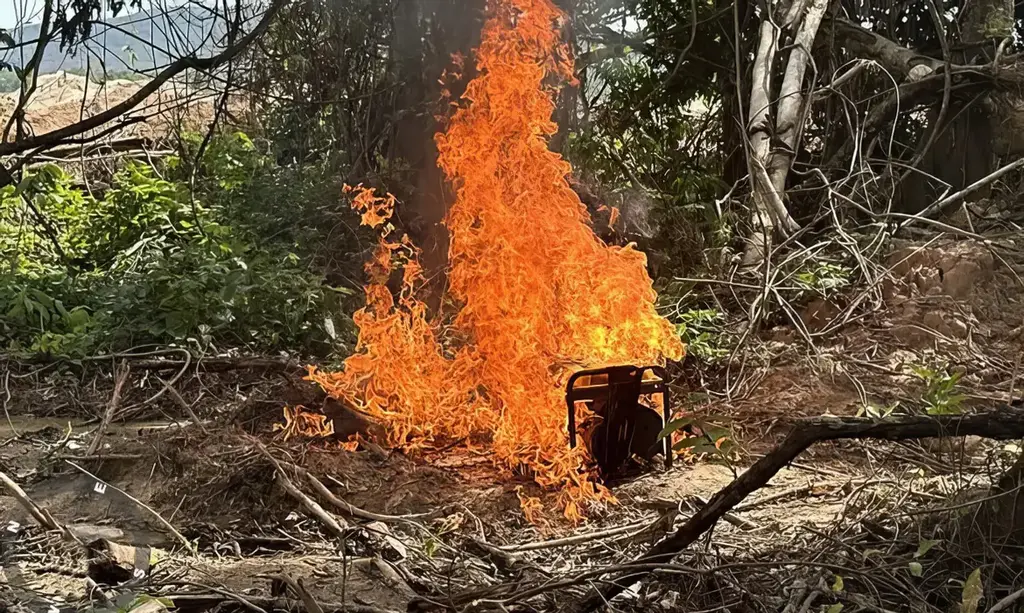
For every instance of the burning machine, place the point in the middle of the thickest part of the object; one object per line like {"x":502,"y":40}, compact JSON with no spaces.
{"x":622,"y":424}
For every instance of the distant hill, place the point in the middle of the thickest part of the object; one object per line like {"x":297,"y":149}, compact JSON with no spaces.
{"x":128,"y":43}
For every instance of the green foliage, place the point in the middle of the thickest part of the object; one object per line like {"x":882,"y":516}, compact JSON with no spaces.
{"x":327,"y":80}
{"x":877,"y":412}
{"x":973,"y":592}
{"x":939,"y":397}
{"x":702,"y":331}
{"x":9,"y":82}
{"x":148,"y":263}
{"x":924,"y":547}
{"x":823,"y":278}
{"x":652,"y":118}
{"x":715,"y":435}
{"x":128,"y":601}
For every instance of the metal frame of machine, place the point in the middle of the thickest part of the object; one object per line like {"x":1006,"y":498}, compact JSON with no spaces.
{"x":616,"y":378}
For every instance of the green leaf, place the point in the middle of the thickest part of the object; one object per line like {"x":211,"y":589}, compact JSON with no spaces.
{"x":430,"y":547}
{"x":77,"y":317}
{"x":924,"y":547}
{"x":836,"y":608}
{"x":837,"y":585}
{"x":674,"y":425}
{"x":972,"y":593}
{"x":692,"y":441}
{"x":916,"y":569}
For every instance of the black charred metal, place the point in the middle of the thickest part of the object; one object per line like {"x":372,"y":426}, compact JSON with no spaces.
{"x":622,"y":426}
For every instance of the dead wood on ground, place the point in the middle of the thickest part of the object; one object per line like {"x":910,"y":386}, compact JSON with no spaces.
{"x":1002,"y":424}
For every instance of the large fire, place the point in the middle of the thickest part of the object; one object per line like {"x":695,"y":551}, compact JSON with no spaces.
{"x":538,"y":294}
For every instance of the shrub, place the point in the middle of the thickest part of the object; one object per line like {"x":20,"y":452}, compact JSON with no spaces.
{"x":151,"y":262}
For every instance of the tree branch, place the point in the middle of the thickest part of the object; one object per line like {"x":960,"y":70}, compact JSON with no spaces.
{"x":892,"y":56}
{"x":180,"y":65}
{"x":1003,"y":424}
{"x":31,"y":72}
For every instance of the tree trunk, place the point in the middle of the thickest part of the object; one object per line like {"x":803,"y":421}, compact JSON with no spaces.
{"x":963,"y":151}
{"x":568,"y":96}
{"x":427,"y":34}
{"x":773,"y":144}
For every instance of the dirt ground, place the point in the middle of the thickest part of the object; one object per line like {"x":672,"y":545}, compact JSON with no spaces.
{"x":62,"y":99}
{"x":448,"y":521}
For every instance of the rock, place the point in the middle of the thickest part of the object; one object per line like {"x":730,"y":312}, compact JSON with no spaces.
{"x":954,"y":269}
{"x":88,"y":533}
{"x":112,"y":563}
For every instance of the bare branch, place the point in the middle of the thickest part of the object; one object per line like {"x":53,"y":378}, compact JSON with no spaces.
{"x":1002,"y":424}
{"x":56,"y":137}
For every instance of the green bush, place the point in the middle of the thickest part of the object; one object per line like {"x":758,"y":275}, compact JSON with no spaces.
{"x":148,"y":263}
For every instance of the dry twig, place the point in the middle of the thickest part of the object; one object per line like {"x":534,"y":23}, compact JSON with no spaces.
{"x":120,"y":377}
{"x":338,"y":526}
{"x":344,"y":505}
{"x":1007,"y":602}
{"x":1006,"y":423}
{"x":184,"y":406}
{"x":178,"y":535}
{"x":41,"y":515}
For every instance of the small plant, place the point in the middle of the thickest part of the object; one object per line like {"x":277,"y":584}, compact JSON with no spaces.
{"x":708,"y":435}
{"x":940,"y":397}
{"x":234,"y":264}
{"x":128,"y":602}
{"x":701,"y":330}
{"x":876,"y":412}
{"x":823,"y":278}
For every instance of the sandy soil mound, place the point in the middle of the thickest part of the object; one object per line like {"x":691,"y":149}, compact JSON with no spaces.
{"x":62,"y":99}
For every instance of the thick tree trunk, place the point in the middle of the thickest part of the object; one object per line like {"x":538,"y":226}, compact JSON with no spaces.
{"x":963,"y":151}
{"x":984,"y":118}
{"x":773,"y":144}
{"x":427,"y":34}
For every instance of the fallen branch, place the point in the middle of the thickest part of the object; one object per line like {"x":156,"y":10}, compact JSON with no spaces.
{"x":308,"y":602}
{"x":347,"y":507}
{"x":189,"y":546}
{"x":338,"y":526}
{"x":1003,"y":424}
{"x":943,"y":204}
{"x":1007,"y":602}
{"x":41,"y":515}
{"x":184,"y":406}
{"x":331,"y":522}
{"x":121,"y":376}
{"x":393,"y":579}
{"x":101,"y":457}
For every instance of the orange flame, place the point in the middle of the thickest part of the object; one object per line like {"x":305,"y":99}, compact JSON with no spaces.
{"x":540,"y":294}
{"x":300,"y":422}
